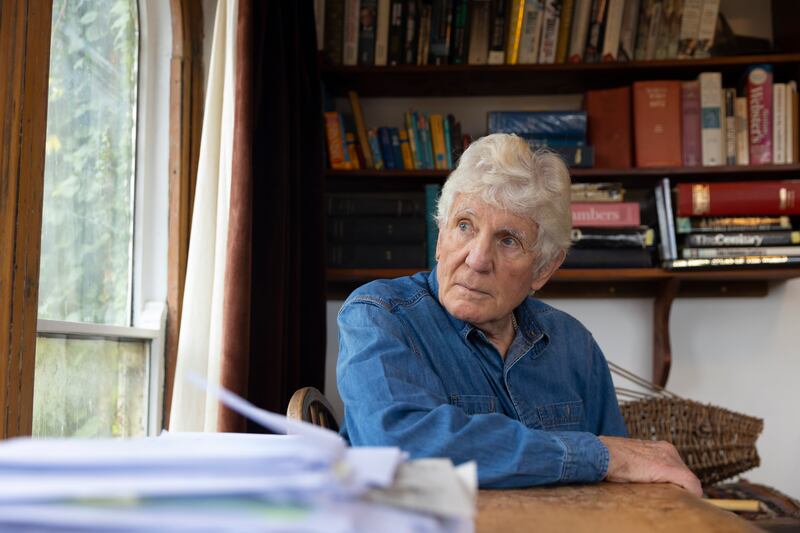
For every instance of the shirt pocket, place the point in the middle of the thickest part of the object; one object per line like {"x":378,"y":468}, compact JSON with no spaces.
{"x":474,"y":404}
{"x":563,"y":415}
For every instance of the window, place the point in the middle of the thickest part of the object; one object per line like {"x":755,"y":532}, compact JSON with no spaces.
{"x":99,"y":351}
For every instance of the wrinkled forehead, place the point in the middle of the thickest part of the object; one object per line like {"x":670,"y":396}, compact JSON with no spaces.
{"x":491,"y":211}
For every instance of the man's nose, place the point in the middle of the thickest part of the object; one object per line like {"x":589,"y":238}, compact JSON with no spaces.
{"x":480,"y":254}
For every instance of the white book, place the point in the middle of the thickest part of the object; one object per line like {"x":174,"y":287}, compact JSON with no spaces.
{"x":614,"y":13}
{"x":550,"y":25}
{"x":711,"y":113}
{"x":779,"y":123}
{"x":319,"y":22}
{"x":742,"y":132}
{"x":532,"y":18}
{"x":627,"y":35}
{"x":350,"y":38}
{"x":382,"y":33}
{"x":690,"y":26}
{"x":708,"y":24}
{"x":791,"y":122}
{"x":580,"y":29}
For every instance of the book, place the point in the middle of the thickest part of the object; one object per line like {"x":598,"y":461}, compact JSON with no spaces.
{"x":742,"y":238}
{"x":438,"y":142}
{"x":668,"y":247}
{"x":711,"y":117}
{"x":480,"y":26}
{"x":334,"y":134}
{"x":731,"y":224}
{"x":657,"y":123}
{"x":730,"y":126}
{"x":790,"y":122}
{"x":759,"y":113}
{"x":596,"y":24}
{"x":516,"y":16}
{"x":690,"y":26}
{"x":425,"y":140}
{"x":376,"y":255}
{"x":376,"y":230}
{"x":738,"y":251}
{"x":634,"y":237}
{"x":531,"y":35}
{"x":382,"y":33}
{"x":376,"y":204}
{"x":739,"y":198}
{"x":441,"y":27}
{"x":627,"y":36}
{"x":550,"y":125}
{"x":650,"y":20}
{"x":375,"y":149}
{"x":612,"y":30}
{"x":564,"y":27}
{"x":550,"y":27}
{"x":609,"y":126}
{"x":690,"y":124}
{"x":424,"y":43}
{"x":770,"y":261}
{"x":405,"y":149}
{"x":608,"y":258}
{"x":432,"y":193}
{"x":397,"y":29}
{"x":580,"y":30}
{"x":779,"y":123}
{"x":350,"y":33}
{"x":413,"y":140}
{"x":448,"y":135}
{"x":460,"y":32}
{"x":361,"y":129}
{"x":668,"y":32}
{"x":594,"y":214}
{"x":367,"y":19}
{"x":397,"y":152}
{"x":497,"y":31}
{"x":352,"y":151}
{"x":387,"y":150}
{"x":411,"y":33}
{"x":708,"y":25}
{"x":597,"y":192}
{"x":334,"y":30}
{"x":742,"y":144}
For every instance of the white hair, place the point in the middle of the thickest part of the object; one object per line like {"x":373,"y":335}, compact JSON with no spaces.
{"x":503,"y":171}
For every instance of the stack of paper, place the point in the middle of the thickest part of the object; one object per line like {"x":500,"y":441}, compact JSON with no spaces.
{"x":307,"y":481}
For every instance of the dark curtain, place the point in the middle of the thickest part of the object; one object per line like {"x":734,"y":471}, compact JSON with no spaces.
{"x":287,"y":274}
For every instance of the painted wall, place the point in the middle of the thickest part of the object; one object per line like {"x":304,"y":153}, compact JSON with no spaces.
{"x":739,"y":353}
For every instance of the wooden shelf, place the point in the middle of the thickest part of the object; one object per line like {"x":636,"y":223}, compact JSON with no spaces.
{"x":411,"y":81}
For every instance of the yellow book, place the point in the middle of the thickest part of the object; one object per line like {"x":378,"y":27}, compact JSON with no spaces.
{"x":514,"y":31}
{"x":405,"y":149}
{"x":439,"y":147}
{"x":351,"y":151}
{"x":361,"y":129}
{"x":334,"y":133}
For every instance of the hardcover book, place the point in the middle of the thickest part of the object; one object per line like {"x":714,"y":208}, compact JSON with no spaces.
{"x":712,"y":112}
{"x":580,"y":29}
{"x":515,"y":22}
{"x":730,"y":126}
{"x":657,"y":123}
{"x":739,"y":198}
{"x":596,"y":26}
{"x":690,"y":125}
{"x":742,"y":238}
{"x":334,"y":133}
{"x":397,"y":29}
{"x":779,"y":123}
{"x":550,"y":26}
{"x":613,"y":27}
{"x":739,"y":251}
{"x":767,"y":261}
{"x":635,"y":237}
{"x":597,"y":192}
{"x":742,"y":144}
{"x":627,"y":38}
{"x":350,"y":39}
{"x":609,"y":121}
{"x":459,"y":36}
{"x":367,"y":20}
{"x":480,"y":25}
{"x":497,"y":32}
{"x":690,"y":26}
{"x":531,"y":35}
{"x":715,"y":224}
{"x":564,"y":27}
{"x":610,"y":215}
{"x":382,"y":33}
{"x":759,"y":116}
{"x":551,"y":125}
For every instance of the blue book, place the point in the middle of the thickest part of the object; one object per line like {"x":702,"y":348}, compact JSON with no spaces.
{"x":394,"y":134}
{"x":551,"y":125}
{"x":448,"y":146}
{"x":432,"y":192}
{"x":385,"y":139}
{"x":425,"y":138}
{"x":374,"y":146}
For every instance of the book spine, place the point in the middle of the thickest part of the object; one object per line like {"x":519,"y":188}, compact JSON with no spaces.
{"x":448,"y":147}
{"x":727,"y":224}
{"x":531,"y":35}
{"x":711,"y":112}
{"x":361,"y":129}
{"x":708,"y":25}
{"x":516,"y":16}
{"x":657,"y":123}
{"x":605,"y":214}
{"x":643,"y":29}
{"x":564,"y":27}
{"x":424,"y":130}
{"x":675,"y":20}
{"x":550,"y":26}
{"x":790,"y":122}
{"x":437,"y":137}
{"x":411,"y":35}
{"x":376,"y":255}
{"x":441,"y":26}
{"x":613,"y":28}
{"x":367,"y":18}
{"x":394,"y":53}
{"x":779,"y":123}
{"x":690,"y":26}
{"x":405,"y":150}
{"x":663,"y":247}
{"x":690,"y":125}
{"x":640,"y":237}
{"x":424,"y":44}
{"x":350,"y":39}
{"x":334,"y":133}
{"x":739,"y":198}
{"x":387,"y":152}
{"x":627,"y":37}
{"x":458,"y":47}
{"x":480,"y":22}
{"x":656,"y":20}
{"x":580,"y":30}
{"x":397,"y":153}
{"x":734,"y":262}
{"x":794,"y":133}
{"x":663,"y":32}
{"x":382,"y":33}
{"x":352,"y":151}
{"x":730,"y":126}
{"x":413,"y":139}
{"x":759,"y":114}
{"x":375,"y":148}
{"x":378,"y":230}
{"x":742,"y":145}
{"x":334,"y":30}
{"x":497,"y":32}
{"x":432,"y":192}
{"x":550,"y":125}
{"x":751,"y":238}
{"x":669,"y":213}
{"x":596,"y":25}
{"x":597,"y":192}
{"x":708,"y":253}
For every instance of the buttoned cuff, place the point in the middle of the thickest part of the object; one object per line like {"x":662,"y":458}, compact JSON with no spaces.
{"x":585,"y":457}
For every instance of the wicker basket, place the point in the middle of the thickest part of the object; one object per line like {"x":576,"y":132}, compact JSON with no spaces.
{"x":715,"y":443}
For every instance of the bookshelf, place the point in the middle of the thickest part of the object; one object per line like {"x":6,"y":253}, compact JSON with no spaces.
{"x":411,"y":81}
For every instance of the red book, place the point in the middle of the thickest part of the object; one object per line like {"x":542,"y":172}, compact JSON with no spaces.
{"x":609,"y":116}
{"x":657,"y":123}
{"x":759,"y":113}
{"x":607,"y":215}
{"x":690,"y":124}
{"x":739,"y":198}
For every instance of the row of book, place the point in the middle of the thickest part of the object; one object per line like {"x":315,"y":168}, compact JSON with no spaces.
{"x":496,"y":32}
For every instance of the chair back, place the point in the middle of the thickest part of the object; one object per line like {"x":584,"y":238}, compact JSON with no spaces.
{"x":310,"y":405}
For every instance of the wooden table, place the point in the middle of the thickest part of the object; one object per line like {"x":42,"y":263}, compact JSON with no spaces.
{"x":603,"y":507}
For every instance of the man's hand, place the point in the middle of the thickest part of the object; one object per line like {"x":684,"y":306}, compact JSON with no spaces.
{"x":642,"y":461}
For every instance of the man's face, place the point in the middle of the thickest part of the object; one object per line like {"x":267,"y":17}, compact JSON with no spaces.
{"x":486,"y":261}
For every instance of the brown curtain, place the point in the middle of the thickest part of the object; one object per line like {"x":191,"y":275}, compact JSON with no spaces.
{"x":274,"y":330}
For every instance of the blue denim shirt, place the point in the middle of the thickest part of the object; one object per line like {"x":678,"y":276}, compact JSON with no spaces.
{"x":412,"y":375}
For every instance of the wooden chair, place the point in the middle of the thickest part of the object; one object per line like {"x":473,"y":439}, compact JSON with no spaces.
{"x":310,"y":405}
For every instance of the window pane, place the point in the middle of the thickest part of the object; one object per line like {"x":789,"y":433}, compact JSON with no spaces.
{"x":90,"y":388}
{"x":89,"y":166}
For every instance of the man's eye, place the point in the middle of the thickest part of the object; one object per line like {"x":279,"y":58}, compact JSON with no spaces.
{"x":509,"y":242}
{"x":463,"y":226}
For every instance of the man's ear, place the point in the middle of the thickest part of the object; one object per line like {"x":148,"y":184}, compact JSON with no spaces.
{"x":547,"y":271}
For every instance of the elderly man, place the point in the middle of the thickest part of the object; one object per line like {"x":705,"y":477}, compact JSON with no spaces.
{"x":463,"y":362}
